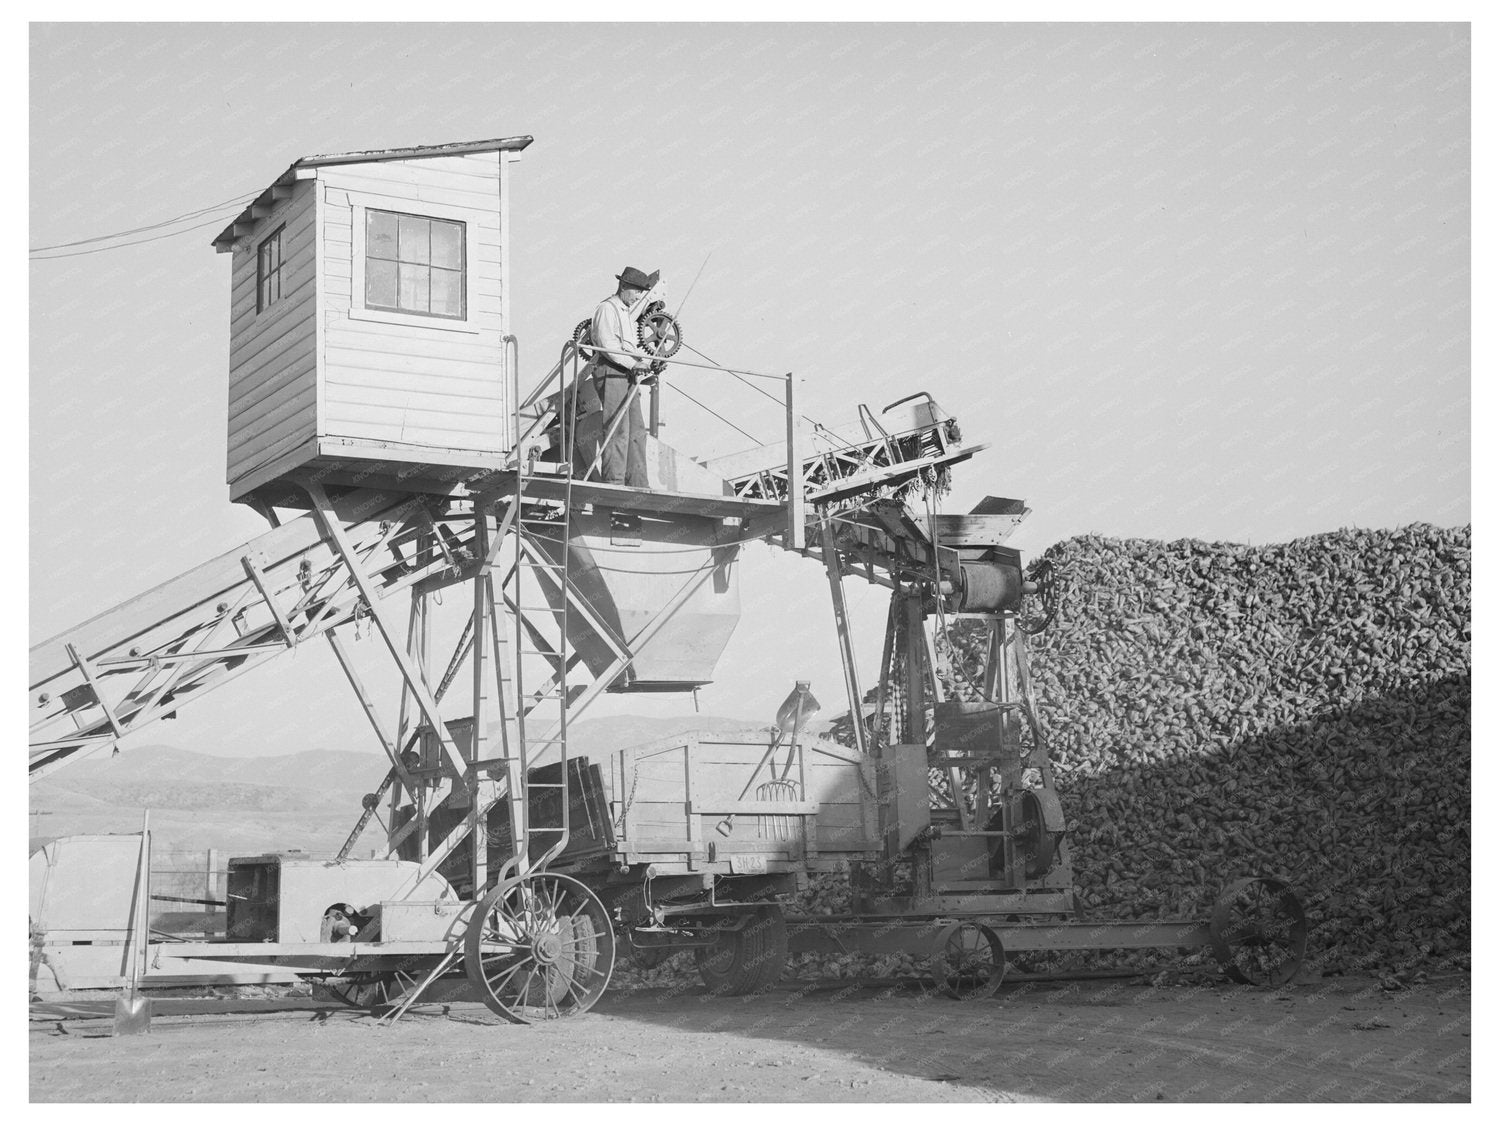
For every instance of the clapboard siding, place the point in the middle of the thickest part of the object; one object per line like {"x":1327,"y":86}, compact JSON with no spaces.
{"x":249,"y":401}
{"x":278,"y":416}
{"x":408,"y":424}
{"x":416,"y":383}
{"x":273,"y":409}
{"x":283,"y":346}
{"x":379,"y":386}
{"x":408,"y":417}
{"x":446,"y":182}
{"x":392,"y":342}
{"x":273,"y":354}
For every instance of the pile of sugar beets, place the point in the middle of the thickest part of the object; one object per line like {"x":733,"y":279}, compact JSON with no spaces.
{"x":1215,"y":710}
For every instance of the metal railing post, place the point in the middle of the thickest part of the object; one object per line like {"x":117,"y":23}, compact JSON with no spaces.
{"x":511,"y":376}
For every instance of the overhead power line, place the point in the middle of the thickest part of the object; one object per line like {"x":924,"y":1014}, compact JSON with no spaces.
{"x":133,"y":242}
{"x":237,"y":201}
{"x":757,"y":389}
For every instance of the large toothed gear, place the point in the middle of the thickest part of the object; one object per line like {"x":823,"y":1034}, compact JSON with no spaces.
{"x":658,"y":331}
{"x":583,"y":336}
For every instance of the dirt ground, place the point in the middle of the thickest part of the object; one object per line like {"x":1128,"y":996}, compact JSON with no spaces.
{"x":1334,"y":1041}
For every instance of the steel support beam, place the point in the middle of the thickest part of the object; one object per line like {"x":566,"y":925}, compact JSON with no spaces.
{"x":368,"y":705}
{"x":846,"y":639}
{"x":479,"y":626}
{"x":410,"y":672}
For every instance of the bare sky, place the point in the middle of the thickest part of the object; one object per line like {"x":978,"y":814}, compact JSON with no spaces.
{"x":1203,"y":281}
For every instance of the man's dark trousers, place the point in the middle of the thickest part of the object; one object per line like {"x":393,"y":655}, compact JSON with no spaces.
{"x":624,"y":460}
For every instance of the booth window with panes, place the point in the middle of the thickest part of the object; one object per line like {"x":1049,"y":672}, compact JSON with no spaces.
{"x":414,"y":264}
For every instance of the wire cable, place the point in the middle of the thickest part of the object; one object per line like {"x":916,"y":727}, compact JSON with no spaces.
{"x":748,"y":383}
{"x":121,"y":245}
{"x":715,"y":413}
{"x":235,"y":202}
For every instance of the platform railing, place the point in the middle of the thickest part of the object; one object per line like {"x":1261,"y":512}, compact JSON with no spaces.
{"x":530,"y":427}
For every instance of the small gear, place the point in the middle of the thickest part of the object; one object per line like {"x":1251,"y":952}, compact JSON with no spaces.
{"x":583,"y":337}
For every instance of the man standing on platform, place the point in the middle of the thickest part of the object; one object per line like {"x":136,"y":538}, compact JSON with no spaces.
{"x":616,"y":373}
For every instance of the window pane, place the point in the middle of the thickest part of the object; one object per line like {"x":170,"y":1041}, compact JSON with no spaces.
{"x":413,"y":244}
{"x":380,"y":283}
{"x":447,"y":292}
{"x":380,"y":234}
{"x":447,"y":245}
{"x":414,"y":287}
{"x":276,"y":286}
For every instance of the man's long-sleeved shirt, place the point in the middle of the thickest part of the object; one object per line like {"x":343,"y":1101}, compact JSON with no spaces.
{"x":612,"y":331}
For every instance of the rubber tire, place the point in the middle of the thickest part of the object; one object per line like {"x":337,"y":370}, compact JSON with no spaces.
{"x":747,"y":960}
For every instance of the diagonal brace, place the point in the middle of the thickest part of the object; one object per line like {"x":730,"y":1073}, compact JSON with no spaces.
{"x":334,"y":529}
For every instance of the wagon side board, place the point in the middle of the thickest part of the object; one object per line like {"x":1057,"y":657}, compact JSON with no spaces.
{"x":677,"y":804}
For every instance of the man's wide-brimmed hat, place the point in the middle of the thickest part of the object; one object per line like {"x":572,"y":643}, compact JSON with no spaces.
{"x":637,"y":279}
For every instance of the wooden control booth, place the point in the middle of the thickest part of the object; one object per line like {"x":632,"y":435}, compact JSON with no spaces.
{"x":369,"y":304}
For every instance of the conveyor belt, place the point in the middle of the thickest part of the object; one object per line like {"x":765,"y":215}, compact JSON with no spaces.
{"x":144,"y":659}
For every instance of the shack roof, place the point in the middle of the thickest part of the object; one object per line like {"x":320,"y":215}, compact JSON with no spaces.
{"x":263,"y":201}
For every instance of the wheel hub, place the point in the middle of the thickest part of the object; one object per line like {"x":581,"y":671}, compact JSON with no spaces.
{"x":547,"y":948}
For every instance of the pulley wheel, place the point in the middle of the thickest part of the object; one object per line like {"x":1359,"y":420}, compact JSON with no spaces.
{"x":1258,"y":932}
{"x":1036,"y":846}
{"x":968,"y":961}
{"x":539,"y":947}
{"x":1043,"y":603}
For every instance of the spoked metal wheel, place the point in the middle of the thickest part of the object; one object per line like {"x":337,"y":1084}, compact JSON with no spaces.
{"x":539,"y":947}
{"x":369,"y":991}
{"x":968,"y":961}
{"x":1258,"y":932}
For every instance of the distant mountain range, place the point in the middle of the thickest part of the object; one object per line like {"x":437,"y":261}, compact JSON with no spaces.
{"x":308,"y":800}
